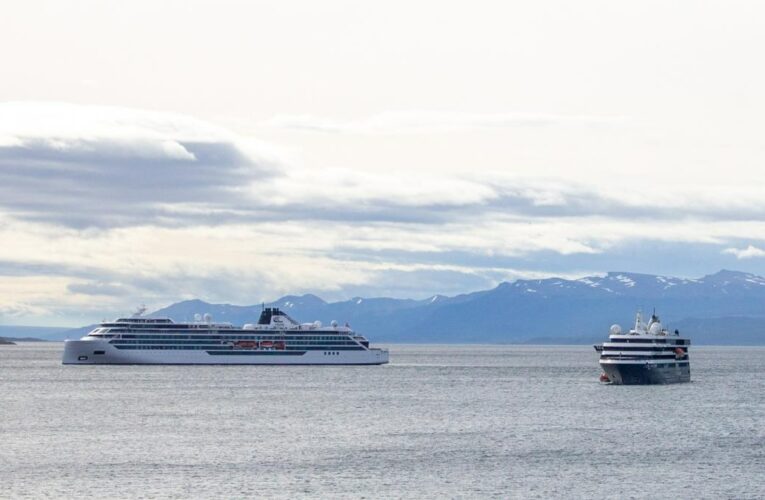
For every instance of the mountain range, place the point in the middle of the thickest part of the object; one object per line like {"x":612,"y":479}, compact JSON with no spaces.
{"x":727,"y":307}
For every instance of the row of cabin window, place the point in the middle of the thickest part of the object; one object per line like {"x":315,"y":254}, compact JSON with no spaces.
{"x":640,"y":356}
{"x":167,"y":327}
{"x":218,"y":342}
{"x":639,"y":348}
{"x":288,"y":338}
{"x":217,"y":348}
{"x":649,"y":341}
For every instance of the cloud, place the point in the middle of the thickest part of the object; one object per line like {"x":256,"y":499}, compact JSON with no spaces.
{"x":86,"y":165}
{"x":745,"y":253}
{"x":421,"y":121}
{"x":335,"y":194}
{"x":69,"y":271}
{"x":332,"y":191}
{"x":98,"y":288}
{"x":96,"y":272}
{"x":101,"y":208}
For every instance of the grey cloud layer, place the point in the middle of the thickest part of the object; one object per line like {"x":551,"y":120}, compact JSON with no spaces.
{"x":90,"y":166}
{"x":103,"y":182}
{"x":106,"y":166}
{"x":106,"y":183}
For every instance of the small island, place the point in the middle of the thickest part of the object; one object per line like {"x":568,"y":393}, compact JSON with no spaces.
{"x":4,"y":341}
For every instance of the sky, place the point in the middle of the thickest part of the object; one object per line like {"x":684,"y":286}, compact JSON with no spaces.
{"x":236,"y":152}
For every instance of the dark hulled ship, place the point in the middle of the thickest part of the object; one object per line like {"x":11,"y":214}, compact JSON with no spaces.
{"x":647,"y":354}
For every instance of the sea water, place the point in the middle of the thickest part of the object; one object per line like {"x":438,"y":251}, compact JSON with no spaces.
{"x":437,"y":422}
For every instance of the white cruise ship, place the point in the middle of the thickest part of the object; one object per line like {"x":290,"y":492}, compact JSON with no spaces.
{"x":276,"y":339}
{"x":648,"y":354}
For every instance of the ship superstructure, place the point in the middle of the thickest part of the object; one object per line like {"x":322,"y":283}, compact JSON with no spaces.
{"x":647,"y":354}
{"x":275,"y":339}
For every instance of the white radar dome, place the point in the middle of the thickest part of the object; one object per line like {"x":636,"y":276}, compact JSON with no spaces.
{"x":317,"y":324}
{"x":197,"y":317}
{"x":655,"y":329}
{"x":208,"y":317}
{"x":616,"y":330}
{"x":334,"y":324}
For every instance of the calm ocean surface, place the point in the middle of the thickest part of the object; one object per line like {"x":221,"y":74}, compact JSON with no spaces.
{"x":438,"y":422}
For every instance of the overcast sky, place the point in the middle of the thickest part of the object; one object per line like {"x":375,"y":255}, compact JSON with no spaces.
{"x":238,"y":151}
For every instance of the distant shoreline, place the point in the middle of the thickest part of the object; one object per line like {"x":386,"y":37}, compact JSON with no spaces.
{"x":14,"y":340}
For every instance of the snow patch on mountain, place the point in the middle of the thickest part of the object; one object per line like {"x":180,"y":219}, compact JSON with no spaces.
{"x":588,"y":281}
{"x":626,"y":280}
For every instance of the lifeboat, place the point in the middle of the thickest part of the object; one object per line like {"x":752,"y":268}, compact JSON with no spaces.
{"x":266,"y":344}
{"x":279,"y":344}
{"x":679,"y":353}
{"x":246,"y":344}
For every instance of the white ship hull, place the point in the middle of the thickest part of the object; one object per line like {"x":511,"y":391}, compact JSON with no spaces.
{"x":88,"y":352}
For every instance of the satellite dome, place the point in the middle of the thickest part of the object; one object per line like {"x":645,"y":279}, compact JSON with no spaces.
{"x":208,"y":317}
{"x":616,"y":329}
{"x":655,"y":328}
{"x":197,"y":317}
{"x":334,"y":324}
{"x":317,"y":324}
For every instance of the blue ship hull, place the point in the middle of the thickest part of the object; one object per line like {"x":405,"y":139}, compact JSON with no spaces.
{"x":647,"y":373}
